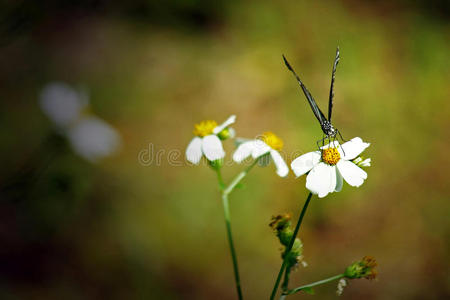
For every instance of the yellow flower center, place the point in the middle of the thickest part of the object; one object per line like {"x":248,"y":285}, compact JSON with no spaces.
{"x":272,"y":140}
{"x":204,"y":128}
{"x":331,"y":156}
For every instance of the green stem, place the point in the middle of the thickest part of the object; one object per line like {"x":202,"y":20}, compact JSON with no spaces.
{"x":285,"y":284}
{"x":289,"y":248}
{"x":220,"y":179}
{"x":239,"y":177}
{"x":293,"y":291}
{"x":226,"y":210}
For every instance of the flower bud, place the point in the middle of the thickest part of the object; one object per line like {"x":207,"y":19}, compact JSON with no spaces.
{"x":226,"y":133}
{"x":281,"y":224}
{"x":362,"y":269}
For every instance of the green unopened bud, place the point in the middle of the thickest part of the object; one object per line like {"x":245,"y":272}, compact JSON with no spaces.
{"x":281,"y":222}
{"x":285,"y":236}
{"x":362,"y":269}
{"x":295,"y":256}
{"x":226,"y":133}
{"x":216,"y":164}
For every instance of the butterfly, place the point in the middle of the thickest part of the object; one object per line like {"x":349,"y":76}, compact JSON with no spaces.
{"x":328,"y":129}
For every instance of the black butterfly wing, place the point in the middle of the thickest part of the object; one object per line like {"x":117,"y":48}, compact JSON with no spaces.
{"x":316,"y":110}
{"x":330,"y":101}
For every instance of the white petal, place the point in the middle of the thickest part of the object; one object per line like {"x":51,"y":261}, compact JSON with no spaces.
{"x":339,"y":181}
{"x":353,"y":148}
{"x":321,"y":180}
{"x":259,"y":148}
{"x":232,"y":132}
{"x":357,"y":160}
{"x":365,"y":163}
{"x":305,"y":162}
{"x":194,"y":150}
{"x":93,"y":138}
{"x":212,"y":147}
{"x":353,"y":174}
{"x":282,"y":168}
{"x":225,"y":124}
{"x":243,"y":151}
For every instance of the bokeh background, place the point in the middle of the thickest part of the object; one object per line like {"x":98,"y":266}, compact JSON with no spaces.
{"x":142,"y":224}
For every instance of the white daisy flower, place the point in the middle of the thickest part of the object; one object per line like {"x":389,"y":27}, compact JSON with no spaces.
{"x":208,"y":140}
{"x":267,"y":144}
{"x":328,"y":169}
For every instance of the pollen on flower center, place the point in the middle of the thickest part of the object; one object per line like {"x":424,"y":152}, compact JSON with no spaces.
{"x":204,"y":128}
{"x":272,"y":140}
{"x":331,"y":156}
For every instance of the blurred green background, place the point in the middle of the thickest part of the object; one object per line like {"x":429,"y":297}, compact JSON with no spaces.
{"x":125,"y":228}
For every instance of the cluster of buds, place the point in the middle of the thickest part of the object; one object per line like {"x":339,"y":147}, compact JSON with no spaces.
{"x":282,"y":226}
{"x":362,"y":269}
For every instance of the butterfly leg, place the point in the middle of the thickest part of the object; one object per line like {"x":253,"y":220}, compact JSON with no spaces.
{"x":340,"y":135}
{"x":321,"y":140}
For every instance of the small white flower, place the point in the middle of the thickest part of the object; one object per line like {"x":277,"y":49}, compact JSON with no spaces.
{"x":207,"y":141}
{"x":270,"y":144}
{"x":329,"y":167}
{"x":340,"y":287}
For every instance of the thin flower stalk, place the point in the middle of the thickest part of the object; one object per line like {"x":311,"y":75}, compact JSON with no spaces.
{"x":310,"y":285}
{"x":225,"y":201}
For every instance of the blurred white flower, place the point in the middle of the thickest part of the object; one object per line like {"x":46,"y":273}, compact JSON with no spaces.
{"x":93,"y":138}
{"x":269,"y":144}
{"x":62,"y":104}
{"x":329,"y":167}
{"x":89,"y":136}
{"x":208,"y":140}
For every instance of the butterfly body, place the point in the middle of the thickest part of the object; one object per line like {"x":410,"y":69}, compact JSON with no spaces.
{"x":328,"y":129}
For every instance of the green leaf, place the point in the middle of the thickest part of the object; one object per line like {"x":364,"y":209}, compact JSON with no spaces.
{"x":308,"y":290}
